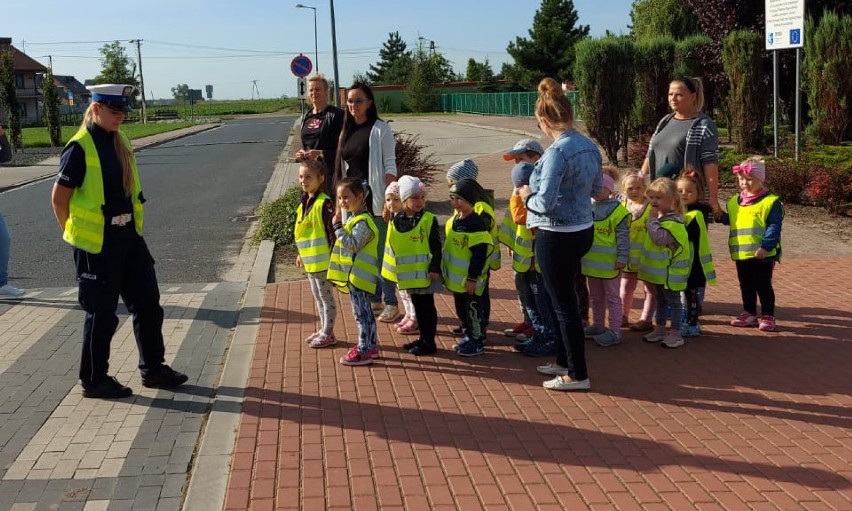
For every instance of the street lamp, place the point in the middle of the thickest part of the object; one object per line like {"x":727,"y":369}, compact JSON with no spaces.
{"x":334,"y":54}
{"x":316,"y":47}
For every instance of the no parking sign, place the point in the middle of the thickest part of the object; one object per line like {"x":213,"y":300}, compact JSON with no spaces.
{"x":301,"y":66}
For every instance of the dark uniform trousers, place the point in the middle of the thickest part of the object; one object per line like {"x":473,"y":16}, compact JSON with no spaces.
{"x":123,"y":268}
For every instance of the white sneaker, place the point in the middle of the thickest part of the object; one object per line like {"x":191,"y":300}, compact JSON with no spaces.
{"x":567,"y":383}
{"x":12,"y":291}
{"x":389,"y":314}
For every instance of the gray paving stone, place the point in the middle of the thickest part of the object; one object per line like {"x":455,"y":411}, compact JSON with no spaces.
{"x":32,"y":491}
{"x":168,"y":504}
{"x":173,"y":485}
{"x":146,"y":499}
{"x":153,"y":480}
{"x":120,"y":505}
{"x":126,"y":487}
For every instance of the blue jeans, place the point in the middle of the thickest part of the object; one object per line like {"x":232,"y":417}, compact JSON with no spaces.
{"x":386,"y":288}
{"x":539,"y":308}
{"x":5,"y":245}
{"x":559,"y":255}
{"x":524,"y":294}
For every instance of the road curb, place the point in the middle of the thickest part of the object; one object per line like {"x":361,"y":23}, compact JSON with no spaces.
{"x":208,"y":479}
{"x":492,"y":128}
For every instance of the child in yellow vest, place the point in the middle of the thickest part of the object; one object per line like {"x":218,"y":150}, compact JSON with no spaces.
{"x":354,"y":265}
{"x":665,"y":259}
{"x":408,"y":324}
{"x":412,"y":259}
{"x":484,"y":207}
{"x":314,"y":238}
{"x":464,"y":264}
{"x":633,"y":190}
{"x":755,"y":216}
{"x":604,"y":261}
{"x":690,"y":187}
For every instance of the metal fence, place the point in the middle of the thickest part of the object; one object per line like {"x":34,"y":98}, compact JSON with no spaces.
{"x":513,"y":104}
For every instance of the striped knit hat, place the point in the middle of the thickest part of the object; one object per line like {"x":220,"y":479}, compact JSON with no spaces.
{"x":464,"y":169}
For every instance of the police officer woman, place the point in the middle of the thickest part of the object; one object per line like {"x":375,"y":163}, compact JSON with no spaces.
{"x":97,"y":200}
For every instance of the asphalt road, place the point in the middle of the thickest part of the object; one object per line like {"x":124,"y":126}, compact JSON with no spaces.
{"x":196,"y":188}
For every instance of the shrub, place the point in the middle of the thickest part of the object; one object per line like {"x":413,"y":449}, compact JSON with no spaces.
{"x":604,"y":73}
{"x":654,"y":70}
{"x":788,"y":179}
{"x":278,"y":218}
{"x":748,"y":99}
{"x":637,"y":149}
{"x":688,"y":55}
{"x":830,"y":188}
{"x":412,"y":161}
{"x":828,"y":76}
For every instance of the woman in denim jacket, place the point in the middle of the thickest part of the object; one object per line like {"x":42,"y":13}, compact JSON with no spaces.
{"x":559,"y":206}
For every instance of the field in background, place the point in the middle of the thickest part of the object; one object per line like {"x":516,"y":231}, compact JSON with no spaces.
{"x":37,"y":137}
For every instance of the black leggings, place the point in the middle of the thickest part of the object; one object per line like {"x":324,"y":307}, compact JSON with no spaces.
{"x":427,"y":316}
{"x":756,"y":282}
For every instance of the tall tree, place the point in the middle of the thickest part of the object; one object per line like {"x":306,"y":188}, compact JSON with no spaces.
{"x":51,"y":109}
{"x":116,"y":66}
{"x":478,"y":71}
{"x":9,"y":97}
{"x":549,"y":51}
{"x":181,"y":92}
{"x":393,"y":53}
{"x":651,"y":18}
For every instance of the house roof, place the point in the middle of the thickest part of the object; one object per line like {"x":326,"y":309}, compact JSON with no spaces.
{"x":72,"y":84}
{"x":21,"y":61}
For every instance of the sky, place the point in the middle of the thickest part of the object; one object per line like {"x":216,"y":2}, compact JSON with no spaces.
{"x":244,"y":49}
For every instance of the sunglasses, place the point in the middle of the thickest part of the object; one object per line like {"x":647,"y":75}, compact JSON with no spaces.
{"x":746,"y":169}
{"x":358,"y":101}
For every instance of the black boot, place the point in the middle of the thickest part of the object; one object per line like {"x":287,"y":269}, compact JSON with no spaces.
{"x":424,"y":348}
{"x":410,"y":345}
{"x":165,"y":378}
{"x":106,"y":388}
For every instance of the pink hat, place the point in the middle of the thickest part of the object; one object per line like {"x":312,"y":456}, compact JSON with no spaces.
{"x":608,"y":182}
{"x":392,"y":188}
{"x":754,"y":169}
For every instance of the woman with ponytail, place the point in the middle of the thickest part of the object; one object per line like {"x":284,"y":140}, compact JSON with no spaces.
{"x":559,"y":206}
{"x":97,"y":200}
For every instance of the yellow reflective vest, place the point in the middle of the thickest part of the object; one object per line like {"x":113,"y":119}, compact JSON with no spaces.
{"x":600,"y":260}
{"x":407,"y":255}
{"x":748,"y":227}
{"x":456,"y":258}
{"x":638,"y":233}
{"x":85,"y":226}
{"x":361,"y":269}
{"x":506,"y":234}
{"x":311,"y":237}
{"x":481,"y":208}
{"x":704,"y":254}
{"x":666,"y":265}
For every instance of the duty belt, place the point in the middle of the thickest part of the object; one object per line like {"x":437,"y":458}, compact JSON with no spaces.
{"x":121,"y":220}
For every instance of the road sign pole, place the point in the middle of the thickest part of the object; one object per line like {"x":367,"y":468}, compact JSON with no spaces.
{"x":798,"y":132}
{"x":775,"y":98}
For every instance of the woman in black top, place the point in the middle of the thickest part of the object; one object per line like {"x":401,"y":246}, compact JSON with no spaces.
{"x":321,"y":128}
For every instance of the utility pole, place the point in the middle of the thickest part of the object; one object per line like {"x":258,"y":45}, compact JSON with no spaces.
{"x":254,"y":88}
{"x":334,"y":55}
{"x":141,"y":78}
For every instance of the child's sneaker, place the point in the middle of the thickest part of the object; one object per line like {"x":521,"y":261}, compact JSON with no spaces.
{"x":309,"y":339}
{"x":745,"y":319}
{"x":608,"y":338}
{"x":515,"y":330}
{"x":767,"y":324}
{"x":374,"y":352}
{"x":462,"y":342}
{"x":673,"y":339}
{"x":389,"y":314}
{"x":521,"y":346}
{"x":323,"y":340}
{"x":404,"y":321}
{"x":540,"y":349}
{"x":378,"y":308}
{"x":458,"y":331}
{"x":657,"y":335}
{"x":526,"y":334}
{"x":471,"y":349}
{"x":591,"y":331}
{"x":354,"y":357}
{"x":410,"y":328}
{"x":687,"y":330}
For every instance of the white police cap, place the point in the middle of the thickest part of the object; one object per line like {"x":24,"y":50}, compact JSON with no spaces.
{"x":115,"y":96}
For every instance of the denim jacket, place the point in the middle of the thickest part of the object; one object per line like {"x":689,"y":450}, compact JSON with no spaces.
{"x":564,"y":181}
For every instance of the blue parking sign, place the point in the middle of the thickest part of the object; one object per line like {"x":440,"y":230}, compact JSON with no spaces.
{"x":796,"y":36}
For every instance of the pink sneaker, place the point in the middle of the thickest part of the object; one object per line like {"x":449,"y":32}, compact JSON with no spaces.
{"x":745,"y":320}
{"x":354,"y":357}
{"x":405,"y":321}
{"x":309,"y":339}
{"x":410,"y":328}
{"x":323,"y":340}
{"x":374,"y":352}
{"x":767,"y":324}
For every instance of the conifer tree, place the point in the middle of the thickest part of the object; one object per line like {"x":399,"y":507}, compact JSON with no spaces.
{"x":51,"y":109}
{"x":395,"y":64}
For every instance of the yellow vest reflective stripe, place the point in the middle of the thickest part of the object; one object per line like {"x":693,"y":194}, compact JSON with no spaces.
{"x":311,"y":238}
{"x":85,"y":226}
{"x":638,"y":233}
{"x":481,"y":208}
{"x":600,"y":260}
{"x":748,"y":227}
{"x":664,"y":265}
{"x":706,"y":258}
{"x":524,"y":248}
{"x":362,"y":271}
{"x":407,"y":255}
{"x":456,"y":258}
{"x":506,"y":235}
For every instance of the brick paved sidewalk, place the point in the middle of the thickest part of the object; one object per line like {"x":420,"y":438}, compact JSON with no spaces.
{"x":737,"y":419}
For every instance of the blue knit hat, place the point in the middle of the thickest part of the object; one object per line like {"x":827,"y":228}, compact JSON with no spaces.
{"x":521,"y":173}
{"x":464,"y":169}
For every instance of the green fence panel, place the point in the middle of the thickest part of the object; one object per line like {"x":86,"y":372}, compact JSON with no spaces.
{"x":513,"y":104}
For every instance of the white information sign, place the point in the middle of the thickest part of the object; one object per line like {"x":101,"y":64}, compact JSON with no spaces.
{"x":785,"y":24}
{"x":302,"y":87}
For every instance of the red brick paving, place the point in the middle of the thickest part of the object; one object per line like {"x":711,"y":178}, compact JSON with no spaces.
{"x":736,"y":419}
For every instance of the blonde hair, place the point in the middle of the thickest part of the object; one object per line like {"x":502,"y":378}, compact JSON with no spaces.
{"x":553,"y":106}
{"x":754,"y":159}
{"x":319,"y":77}
{"x":631,"y":174}
{"x":668,"y":188}
{"x":122,"y":149}
{"x":695,"y":86}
